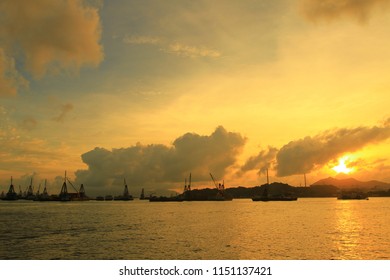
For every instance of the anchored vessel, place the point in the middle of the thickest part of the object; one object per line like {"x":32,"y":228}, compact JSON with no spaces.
{"x":353,"y":195}
{"x":126,"y":196}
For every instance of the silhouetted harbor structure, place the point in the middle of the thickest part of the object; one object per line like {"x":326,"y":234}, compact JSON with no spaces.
{"x":126,"y":196}
{"x":275,"y":191}
{"x":266,"y":196}
{"x":217,"y":194}
{"x":11,"y":194}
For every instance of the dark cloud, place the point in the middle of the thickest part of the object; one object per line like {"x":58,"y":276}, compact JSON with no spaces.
{"x":328,"y":10}
{"x":65,"y":109}
{"x":260,"y":162}
{"x":155,"y":165}
{"x":303,"y":155}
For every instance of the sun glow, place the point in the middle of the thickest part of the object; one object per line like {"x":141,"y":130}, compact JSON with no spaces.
{"x":342,"y":167}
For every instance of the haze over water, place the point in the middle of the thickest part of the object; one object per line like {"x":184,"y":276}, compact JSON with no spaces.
{"x":311,"y":228}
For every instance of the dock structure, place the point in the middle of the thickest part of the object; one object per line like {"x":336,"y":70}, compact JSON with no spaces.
{"x":11,"y":194}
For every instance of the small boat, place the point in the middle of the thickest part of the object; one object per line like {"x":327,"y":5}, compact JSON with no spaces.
{"x":274,"y":198}
{"x":176,"y":198}
{"x":108,"y":197}
{"x":353,"y":195}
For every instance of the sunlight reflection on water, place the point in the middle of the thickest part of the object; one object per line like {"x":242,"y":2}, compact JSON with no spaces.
{"x":311,"y":228}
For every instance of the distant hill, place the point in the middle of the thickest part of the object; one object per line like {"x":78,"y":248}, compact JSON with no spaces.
{"x":352,"y":183}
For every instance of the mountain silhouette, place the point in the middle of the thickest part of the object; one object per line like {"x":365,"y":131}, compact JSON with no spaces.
{"x":352,"y":183}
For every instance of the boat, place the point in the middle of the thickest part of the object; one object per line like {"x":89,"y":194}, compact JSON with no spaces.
{"x":266,"y":196}
{"x":64,"y":195}
{"x":29,"y":194}
{"x":44,"y":196}
{"x":176,"y":198}
{"x":11,"y":194}
{"x":108,"y":197}
{"x":79,"y":195}
{"x":353,"y":195}
{"x":142,"y":195}
{"x":125,"y":196}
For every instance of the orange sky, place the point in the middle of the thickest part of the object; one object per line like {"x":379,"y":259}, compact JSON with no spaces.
{"x":154,"y":91}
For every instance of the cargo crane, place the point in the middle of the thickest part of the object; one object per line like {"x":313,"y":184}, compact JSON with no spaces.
{"x":221,"y":196}
{"x":220,"y":187}
{"x":187,"y":187}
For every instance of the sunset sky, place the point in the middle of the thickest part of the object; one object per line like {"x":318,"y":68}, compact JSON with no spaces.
{"x":153,"y":90}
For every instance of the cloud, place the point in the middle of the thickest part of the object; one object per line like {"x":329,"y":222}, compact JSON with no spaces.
{"x":304,"y":155}
{"x":329,"y":10}
{"x":157,"y":164}
{"x":191,"y":51}
{"x":10,"y":79}
{"x":175,"y":48}
{"x":142,"y":40}
{"x":262,"y":161}
{"x":48,"y":37}
{"x":65,"y":109}
{"x":29,"y":123}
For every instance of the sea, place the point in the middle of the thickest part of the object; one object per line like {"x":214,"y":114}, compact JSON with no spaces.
{"x":307,"y":229}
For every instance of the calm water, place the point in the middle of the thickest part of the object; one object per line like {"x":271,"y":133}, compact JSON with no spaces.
{"x":311,"y":228}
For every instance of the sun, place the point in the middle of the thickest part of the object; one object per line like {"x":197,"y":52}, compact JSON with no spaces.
{"x":342,"y":167}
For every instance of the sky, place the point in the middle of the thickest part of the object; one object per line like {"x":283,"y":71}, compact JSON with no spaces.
{"x":151,"y":91}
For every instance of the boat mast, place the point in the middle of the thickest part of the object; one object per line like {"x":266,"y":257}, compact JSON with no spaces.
{"x":267,"y":177}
